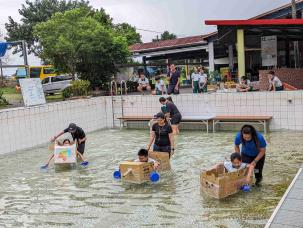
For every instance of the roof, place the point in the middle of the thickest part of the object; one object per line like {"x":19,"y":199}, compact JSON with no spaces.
{"x":255,"y":22}
{"x":195,"y":40}
{"x":274,"y":10}
{"x":167,"y":44}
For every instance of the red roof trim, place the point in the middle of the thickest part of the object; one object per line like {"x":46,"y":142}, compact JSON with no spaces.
{"x":256,"y":22}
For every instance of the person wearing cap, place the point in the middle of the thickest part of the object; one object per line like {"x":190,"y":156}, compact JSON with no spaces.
{"x":172,"y":112}
{"x":78,"y":136}
{"x":162,"y":136}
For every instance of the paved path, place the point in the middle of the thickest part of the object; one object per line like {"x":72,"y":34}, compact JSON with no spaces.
{"x":289,"y":212}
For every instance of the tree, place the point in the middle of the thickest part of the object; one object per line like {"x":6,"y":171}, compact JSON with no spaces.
{"x":166,"y":36}
{"x":77,"y":41}
{"x":32,"y":13}
{"x":129,"y":32}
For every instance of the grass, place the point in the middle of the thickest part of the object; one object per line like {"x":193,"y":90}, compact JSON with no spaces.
{"x":54,"y":98}
{"x":15,"y":98}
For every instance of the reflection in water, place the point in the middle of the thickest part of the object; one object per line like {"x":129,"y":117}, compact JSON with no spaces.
{"x":89,"y":197}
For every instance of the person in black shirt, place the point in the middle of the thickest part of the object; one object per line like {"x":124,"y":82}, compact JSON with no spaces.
{"x":174,"y":80}
{"x":78,"y":136}
{"x":162,"y":136}
{"x":171,"y":111}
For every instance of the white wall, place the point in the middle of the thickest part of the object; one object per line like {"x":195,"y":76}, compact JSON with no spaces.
{"x":286,"y":115}
{"x":27,"y":127}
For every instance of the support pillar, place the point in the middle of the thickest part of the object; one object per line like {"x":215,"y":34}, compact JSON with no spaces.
{"x":241,"y":53}
{"x":144,"y":65}
{"x":231,"y":57}
{"x":211,"y":56}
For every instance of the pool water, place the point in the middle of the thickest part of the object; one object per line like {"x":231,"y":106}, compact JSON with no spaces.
{"x":90,"y":197}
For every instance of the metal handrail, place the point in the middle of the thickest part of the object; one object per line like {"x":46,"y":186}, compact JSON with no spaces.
{"x":121,"y":87}
{"x":121,"y":95}
{"x":113,"y":83}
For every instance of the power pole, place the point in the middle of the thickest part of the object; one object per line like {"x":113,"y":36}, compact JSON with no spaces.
{"x":296,"y":43}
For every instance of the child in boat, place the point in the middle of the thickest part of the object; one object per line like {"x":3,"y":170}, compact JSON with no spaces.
{"x":66,"y":142}
{"x":143,"y":157}
{"x":235,"y":164}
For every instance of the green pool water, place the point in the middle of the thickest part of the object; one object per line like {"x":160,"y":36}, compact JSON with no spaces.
{"x":90,"y":197}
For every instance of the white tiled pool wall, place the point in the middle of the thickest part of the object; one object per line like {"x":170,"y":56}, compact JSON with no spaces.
{"x":27,"y":127}
{"x":22,"y":128}
{"x":286,"y":107}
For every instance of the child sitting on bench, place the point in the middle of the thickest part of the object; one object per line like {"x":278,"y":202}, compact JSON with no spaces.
{"x":143,"y":157}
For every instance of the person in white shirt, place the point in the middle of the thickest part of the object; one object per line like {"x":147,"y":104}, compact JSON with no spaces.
{"x":195,"y":80}
{"x":143,"y":157}
{"x":143,"y":83}
{"x":236,"y":164}
{"x":275,"y":83}
{"x":245,"y":85}
{"x":160,"y":88}
{"x":203,"y":80}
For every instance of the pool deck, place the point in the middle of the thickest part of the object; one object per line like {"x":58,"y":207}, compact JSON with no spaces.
{"x":289,"y":212}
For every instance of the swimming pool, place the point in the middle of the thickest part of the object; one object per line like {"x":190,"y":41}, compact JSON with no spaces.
{"x":90,"y":197}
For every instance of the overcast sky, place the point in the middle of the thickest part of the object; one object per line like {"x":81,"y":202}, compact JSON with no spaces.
{"x":182,"y":17}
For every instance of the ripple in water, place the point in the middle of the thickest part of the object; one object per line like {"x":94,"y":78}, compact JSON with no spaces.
{"x":89,"y":197}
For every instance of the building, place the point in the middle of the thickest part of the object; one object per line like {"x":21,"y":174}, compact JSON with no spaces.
{"x":238,"y":45}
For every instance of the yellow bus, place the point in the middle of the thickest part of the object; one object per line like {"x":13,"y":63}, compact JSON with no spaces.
{"x":42,"y":71}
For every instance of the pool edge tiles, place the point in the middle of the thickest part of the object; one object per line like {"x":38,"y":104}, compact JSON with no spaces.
{"x":289,"y":212}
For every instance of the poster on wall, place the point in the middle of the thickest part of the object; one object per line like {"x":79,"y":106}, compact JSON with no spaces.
{"x":269,"y":50}
{"x":32,"y":91}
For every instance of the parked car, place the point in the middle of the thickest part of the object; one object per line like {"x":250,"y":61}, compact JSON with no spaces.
{"x":56,"y":84}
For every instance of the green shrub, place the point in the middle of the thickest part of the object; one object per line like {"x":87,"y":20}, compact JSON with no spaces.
{"x":80,"y":87}
{"x":3,"y":101}
{"x":67,"y":92}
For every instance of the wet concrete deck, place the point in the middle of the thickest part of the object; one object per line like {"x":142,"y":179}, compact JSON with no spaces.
{"x":289,"y":212}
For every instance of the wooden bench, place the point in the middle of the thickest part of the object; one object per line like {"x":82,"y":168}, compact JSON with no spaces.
{"x":185,"y":119}
{"x":229,"y":119}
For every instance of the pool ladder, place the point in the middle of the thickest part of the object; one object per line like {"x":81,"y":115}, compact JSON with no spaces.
{"x":114,"y":93}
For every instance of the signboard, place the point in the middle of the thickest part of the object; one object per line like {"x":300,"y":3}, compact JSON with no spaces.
{"x":32,"y":91}
{"x":65,"y":154}
{"x":269,"y":48}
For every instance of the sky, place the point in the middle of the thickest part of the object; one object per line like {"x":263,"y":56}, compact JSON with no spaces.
{"x":182,"y":17}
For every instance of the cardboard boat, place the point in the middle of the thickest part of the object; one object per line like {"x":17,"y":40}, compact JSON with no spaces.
{"x":218,"y":183}
{"x":161,"y":157}
{"x":136,"y":172}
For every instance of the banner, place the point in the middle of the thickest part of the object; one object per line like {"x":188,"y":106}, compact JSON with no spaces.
{"x":269,"y":50}
{"x":32,"y":91}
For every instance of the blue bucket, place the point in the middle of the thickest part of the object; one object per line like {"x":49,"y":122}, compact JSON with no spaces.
{"x":117,"y":174}
{"x":154,"y":177}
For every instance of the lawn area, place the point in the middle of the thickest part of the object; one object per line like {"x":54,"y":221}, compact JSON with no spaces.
{"x":15,"y":98}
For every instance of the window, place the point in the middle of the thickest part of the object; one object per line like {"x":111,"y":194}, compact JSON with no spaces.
{"x":56,"y":79}
{"x":45,"y":81}
{"x":48,"y":70}
{"x":35,"y":72}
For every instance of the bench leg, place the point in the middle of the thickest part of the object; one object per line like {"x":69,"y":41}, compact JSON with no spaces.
{"x":265,"y":127}
{"x":214,"y":126}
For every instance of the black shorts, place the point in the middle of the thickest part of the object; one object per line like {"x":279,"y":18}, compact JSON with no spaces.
{"x":176,"y":119}
{"x":81,"y":148}
{"x":162,"y":148}
{"x":259,"y":166}
{"x":171,"y":90}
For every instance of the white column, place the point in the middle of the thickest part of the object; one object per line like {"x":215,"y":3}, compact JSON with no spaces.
{"x":231,"y":56}
{"x":211,"y":56}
